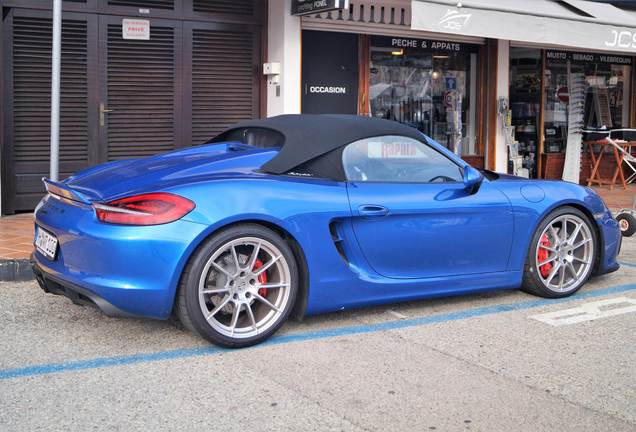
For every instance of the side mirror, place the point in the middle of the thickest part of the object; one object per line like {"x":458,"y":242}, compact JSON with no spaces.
{"x":472,"y":179}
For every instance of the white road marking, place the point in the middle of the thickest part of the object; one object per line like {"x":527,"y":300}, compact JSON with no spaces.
{"x":397,"y":314}
{"x":588,"y":312}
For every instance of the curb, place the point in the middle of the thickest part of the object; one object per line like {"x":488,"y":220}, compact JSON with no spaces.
{"x":16,"y":270}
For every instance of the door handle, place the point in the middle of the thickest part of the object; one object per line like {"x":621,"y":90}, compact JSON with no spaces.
{"x":373,"y":210}
{"x":102,"y":111}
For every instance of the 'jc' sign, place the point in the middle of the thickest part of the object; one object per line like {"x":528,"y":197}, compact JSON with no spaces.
{"x":622,"y":39}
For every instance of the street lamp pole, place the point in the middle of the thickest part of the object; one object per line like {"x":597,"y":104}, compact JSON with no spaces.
{"x":56,"y":65}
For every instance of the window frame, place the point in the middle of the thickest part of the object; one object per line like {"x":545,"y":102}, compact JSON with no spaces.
{"x":424,"y":142}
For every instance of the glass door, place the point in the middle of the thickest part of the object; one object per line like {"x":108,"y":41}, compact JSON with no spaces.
{"x":525,"y":106}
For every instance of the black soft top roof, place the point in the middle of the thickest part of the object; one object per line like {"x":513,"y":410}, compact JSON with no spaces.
{"x":308,"y":137}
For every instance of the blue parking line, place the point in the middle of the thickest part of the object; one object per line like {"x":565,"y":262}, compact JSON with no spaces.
{"x":103,"y":362}
{"x":626,"y":264}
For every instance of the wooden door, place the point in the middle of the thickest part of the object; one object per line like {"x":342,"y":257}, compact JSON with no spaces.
{"x":140,"y":90}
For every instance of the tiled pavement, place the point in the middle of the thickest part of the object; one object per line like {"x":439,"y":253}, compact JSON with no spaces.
{"x":618,"y":197}
{"x":16,"y":236}
{"x":16,"y":232}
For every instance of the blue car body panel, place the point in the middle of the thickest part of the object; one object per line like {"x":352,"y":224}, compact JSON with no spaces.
{"x":431,"y":219}
{"x":435,"y":239}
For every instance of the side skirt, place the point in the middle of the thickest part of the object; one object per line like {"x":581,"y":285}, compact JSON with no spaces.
{"x":329,"y":296}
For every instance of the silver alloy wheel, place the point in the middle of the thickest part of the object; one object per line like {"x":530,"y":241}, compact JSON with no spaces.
{"x":244,"y":287}
{"x":570,"y":253}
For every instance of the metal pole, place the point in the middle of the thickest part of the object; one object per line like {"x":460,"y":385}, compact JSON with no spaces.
{"x":56,"y":65}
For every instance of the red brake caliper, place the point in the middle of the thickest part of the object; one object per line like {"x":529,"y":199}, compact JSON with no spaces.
{"x":542,"y":255}
{"x":262,"y":278}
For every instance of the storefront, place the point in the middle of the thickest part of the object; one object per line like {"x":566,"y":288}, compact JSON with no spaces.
{"x":478,"y":76}
{"x":563,"y":69}
{"x":434,"y":83}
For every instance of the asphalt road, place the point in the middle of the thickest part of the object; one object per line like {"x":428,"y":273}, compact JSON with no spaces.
{"x":491,"y":362}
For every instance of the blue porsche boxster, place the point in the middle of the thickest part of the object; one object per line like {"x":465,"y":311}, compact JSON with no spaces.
{"x":304,"y":214}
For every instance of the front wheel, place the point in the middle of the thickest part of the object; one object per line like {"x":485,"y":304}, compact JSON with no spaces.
{"x":239,"y":287}
{"x":562,"y":254}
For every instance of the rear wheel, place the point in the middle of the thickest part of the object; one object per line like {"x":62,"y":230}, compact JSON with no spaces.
{"x":562,"y":254}
{"x":239,"y":287}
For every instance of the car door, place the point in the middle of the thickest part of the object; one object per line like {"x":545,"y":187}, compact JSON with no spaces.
{"x":412,"y":216}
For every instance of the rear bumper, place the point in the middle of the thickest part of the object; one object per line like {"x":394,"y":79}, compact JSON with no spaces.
{"x":75,"y":293}
{"x":123,"y":270}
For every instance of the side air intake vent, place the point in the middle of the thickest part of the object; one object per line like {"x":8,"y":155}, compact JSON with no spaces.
{"x":338,"y":241}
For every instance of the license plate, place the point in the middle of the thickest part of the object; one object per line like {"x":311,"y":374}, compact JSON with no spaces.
{"x":46,"y":243}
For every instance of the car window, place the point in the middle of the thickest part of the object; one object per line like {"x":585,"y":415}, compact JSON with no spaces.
{"x":257,"y":137}
{"x":397,"y":159}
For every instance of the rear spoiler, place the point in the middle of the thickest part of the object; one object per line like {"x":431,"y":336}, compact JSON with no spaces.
{"x":63,"y":190}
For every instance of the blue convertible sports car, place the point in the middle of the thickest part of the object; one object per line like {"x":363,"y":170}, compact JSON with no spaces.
{"x":304,"y":214}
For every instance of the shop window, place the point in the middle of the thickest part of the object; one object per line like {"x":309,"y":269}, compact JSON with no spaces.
{"x":606,"y":93}
{"x":397,"y":159}
{"x":429,"y":85}
{"x":600,"y":101}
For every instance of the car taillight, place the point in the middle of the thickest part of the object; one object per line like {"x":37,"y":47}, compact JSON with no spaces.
{"x":146,"y":209}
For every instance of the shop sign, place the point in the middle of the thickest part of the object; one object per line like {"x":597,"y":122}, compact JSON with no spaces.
{"x":448,"y":99}
{"x":330,"y":89}
{"x":309,"y":7}
{"x":584,"y":57}
{"x":519,"y":24}
{"x":419,"y":44}
{"x":136,"y":29}
{"x":621,"y":39}
{"x":329,"y":77}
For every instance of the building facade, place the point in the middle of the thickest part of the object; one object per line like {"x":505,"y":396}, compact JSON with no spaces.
{"x":193,"y":69}
{"x":146,"y":76}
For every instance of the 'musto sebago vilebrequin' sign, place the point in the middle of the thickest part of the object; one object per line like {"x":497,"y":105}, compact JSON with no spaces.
{"x":307,"y":7}
{"x":586,"y":57}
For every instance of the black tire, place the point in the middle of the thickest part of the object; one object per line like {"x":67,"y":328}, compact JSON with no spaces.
{"x":187,"y":305}
{"x":532,"y":281}
{"x":627,"y":223}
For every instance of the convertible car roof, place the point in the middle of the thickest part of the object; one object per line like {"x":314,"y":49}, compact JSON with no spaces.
{"x":309,"y":137}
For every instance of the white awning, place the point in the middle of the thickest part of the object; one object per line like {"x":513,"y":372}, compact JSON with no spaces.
{"x":570,"y":23}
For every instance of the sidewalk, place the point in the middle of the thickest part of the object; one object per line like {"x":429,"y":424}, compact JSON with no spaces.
{"x":16,"y":245}
{"x":16,"y":236}
{"x":618,"y":197}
